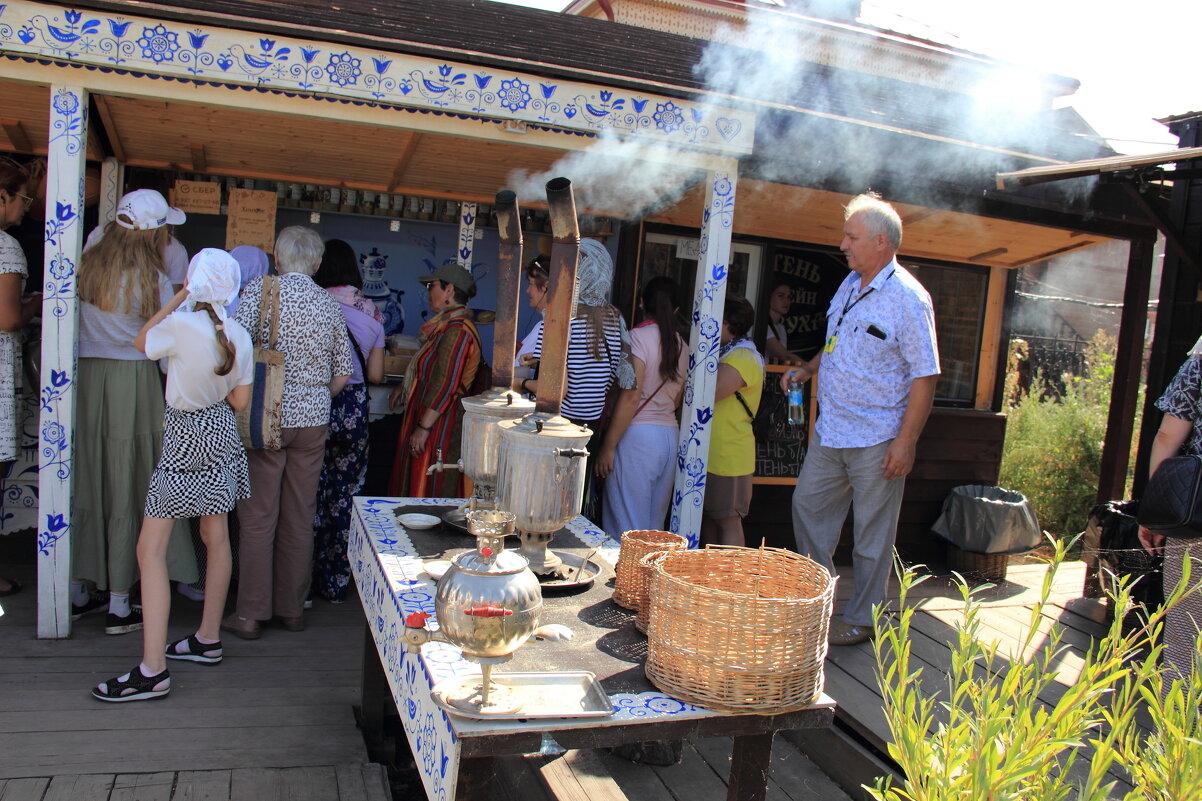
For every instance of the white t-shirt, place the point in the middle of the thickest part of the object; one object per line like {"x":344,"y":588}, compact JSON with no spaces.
{"x":189,"y":343}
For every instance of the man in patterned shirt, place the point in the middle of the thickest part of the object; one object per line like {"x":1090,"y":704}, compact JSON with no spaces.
{"x":878,"y":374}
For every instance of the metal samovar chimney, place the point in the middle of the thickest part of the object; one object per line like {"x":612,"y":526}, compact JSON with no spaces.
{"x":509,"y":279}
{"x":561,"y":307}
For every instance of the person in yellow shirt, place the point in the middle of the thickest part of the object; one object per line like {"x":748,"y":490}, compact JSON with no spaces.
{"x":731,"y":463}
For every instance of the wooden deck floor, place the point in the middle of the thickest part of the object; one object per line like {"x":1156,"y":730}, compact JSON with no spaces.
{"x":274,"y":720}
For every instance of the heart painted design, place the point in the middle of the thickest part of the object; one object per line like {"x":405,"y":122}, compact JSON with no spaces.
{"x":569,"y":111}
{"x":225,"y":63}
{"x":728,"y":128}
{"x":25,"y":35}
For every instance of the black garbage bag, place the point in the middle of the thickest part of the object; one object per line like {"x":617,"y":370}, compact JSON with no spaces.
{"x":987,"y":519}
{"x":1121,"y":553}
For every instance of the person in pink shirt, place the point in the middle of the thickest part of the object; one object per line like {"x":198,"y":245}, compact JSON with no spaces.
{"x":638,"y":455}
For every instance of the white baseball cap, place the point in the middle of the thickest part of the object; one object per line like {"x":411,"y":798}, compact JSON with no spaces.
{"x":145,"y":210}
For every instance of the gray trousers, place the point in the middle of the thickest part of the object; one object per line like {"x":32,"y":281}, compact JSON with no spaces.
{"x":833,"y":480}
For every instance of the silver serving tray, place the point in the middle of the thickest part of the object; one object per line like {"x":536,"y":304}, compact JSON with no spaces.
{"x":567,"y":694}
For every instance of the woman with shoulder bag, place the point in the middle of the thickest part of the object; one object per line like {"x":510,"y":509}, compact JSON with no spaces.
{"x":1180,"y":433}
{"x":638,"y":457}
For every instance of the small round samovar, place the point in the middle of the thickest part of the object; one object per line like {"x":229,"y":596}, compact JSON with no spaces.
{"x":488,"y":604}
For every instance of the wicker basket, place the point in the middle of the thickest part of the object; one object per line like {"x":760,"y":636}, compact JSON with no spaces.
{"x":739,"y":629}
{"x":647,"y":603}
{"x":630,"y":584}
{"x":977,"y":568}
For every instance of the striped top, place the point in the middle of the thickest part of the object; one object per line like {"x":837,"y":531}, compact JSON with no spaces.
{"x":588,"y":378}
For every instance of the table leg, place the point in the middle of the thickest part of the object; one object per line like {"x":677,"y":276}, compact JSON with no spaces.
{"x":475,"y":779}
{"x":373,"y":694}
{"x":750,"y":759}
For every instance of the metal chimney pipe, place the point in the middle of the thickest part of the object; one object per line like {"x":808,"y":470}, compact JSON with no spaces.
{"x":561,"y":306}
{"x":509,"y":279}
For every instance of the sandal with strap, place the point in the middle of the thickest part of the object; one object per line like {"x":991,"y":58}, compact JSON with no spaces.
{"x":191,"y":649}
{"x":133,"y":686}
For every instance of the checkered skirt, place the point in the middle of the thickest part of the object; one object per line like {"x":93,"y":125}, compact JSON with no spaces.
{"x":202,"y":469}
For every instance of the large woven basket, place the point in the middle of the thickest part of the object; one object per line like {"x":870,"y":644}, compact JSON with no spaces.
{"x":977,"y":568}
{"x":630,"y":584}
{"x":739,"y":629}
{"x":647,"y":603}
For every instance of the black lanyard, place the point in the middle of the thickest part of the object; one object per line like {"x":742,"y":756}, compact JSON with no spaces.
{"x":851,"y":303}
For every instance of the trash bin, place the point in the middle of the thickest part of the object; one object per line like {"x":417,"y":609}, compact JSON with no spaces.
{"x":983,"y":525}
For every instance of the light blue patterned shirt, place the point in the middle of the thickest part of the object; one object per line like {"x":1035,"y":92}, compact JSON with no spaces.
{"x":884,"y":339}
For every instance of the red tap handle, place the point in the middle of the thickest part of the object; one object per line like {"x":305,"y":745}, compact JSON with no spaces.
{"x":416,"y":620}
{"x":486,"y":552}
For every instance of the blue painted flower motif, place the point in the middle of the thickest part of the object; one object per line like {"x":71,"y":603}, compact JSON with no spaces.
{"x":722,"y":186}
{"x":444,"y":70}
{"x":267,"y":45}
{"x":344,"y":69}
{"x":514,"y":95}
{"x":55,"y":523}
{"x":308,"y":54}
{"x":709,"y":328}
{"x":59,"y":378}
{"x":66,"y":102}
{"x":548,"y":89}
{"x":668,"y":117}
{"x":197,"y":39}
{"x":382,"y":65}
{"x":159,"y":44}
{"x":73,"y":17}
{"x":53,"y":432}
{"x":482,"y":81}
{"x":118,"y":28}
{"x":61,"y":267}
{"x":639,"y":105}
{"x":606,"y":96}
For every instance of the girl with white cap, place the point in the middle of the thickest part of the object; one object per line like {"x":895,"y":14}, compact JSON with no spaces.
{"x":202,"y":470}
{"x":119,"y":428}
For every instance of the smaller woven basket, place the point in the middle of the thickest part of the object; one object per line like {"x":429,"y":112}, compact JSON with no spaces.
{"x":630,"y":584}
{"x":647,"y":567}
{"x":977,"y":568}
{"x":739,"y":629}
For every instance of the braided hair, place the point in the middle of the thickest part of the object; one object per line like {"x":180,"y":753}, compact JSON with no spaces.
{"x":223,"y":341}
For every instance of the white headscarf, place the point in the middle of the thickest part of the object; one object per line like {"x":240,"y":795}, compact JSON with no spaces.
{"x":1196,"y":350}
{"x":214,"y":277}
{"x":594,"y":280}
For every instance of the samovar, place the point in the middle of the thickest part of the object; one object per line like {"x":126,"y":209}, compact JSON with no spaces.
{"x":488,"y":605}
{"x":542,"y":464}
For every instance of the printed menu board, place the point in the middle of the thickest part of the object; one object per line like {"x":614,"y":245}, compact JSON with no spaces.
{"x":196,"y":197}
{"x":251,"y":219}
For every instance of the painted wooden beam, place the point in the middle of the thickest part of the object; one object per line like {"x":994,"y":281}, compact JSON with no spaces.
{"x":64,"y":242}
{"x":15,"y":132}
{"x":403,"y":160}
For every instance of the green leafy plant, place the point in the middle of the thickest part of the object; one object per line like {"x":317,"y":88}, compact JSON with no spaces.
{"x":988,"y":733}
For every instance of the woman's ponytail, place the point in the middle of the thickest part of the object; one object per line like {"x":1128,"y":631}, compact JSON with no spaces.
{"x":223,"y":341}
{"x":660,"y":304}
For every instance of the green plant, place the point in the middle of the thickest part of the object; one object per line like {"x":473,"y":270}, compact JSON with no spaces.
{"x":1053,"y":448}
{"x":989,"y":734}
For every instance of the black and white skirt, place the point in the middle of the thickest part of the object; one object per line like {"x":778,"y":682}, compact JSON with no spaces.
{"x":202,"y":470}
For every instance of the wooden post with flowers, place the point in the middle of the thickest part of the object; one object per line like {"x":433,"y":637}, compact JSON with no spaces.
{"x":60,"y":314}
{"x":713,"y":262}
{"x":467,"y":235}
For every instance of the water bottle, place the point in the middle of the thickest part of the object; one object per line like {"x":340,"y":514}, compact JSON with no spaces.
{"x":796,"y":409}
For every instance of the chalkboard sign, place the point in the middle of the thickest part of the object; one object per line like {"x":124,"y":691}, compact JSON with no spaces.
{"x":813,"y":276}
{"x":778,"y":456}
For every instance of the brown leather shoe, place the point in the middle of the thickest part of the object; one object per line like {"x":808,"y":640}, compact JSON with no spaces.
{"x":242,"y":627}
{"x":845,"y":634}
{"x":292,"y":623}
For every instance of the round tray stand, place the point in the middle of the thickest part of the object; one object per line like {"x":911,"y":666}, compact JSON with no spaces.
{"x":630,"y":584}
{"x":739,"y":629}
{"x":647,"y":603}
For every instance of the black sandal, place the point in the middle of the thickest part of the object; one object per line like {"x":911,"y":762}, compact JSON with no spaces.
{"x":133,"y":686}
{"x":191,"y":649}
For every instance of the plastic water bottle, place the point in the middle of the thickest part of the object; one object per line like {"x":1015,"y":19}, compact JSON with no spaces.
{"x":796,"y":408}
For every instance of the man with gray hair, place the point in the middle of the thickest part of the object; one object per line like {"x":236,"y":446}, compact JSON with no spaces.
{"x":878,"y":374}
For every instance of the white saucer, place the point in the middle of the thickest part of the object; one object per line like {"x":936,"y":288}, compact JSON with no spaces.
{"x":417,"y":521}
{"x":436,"y":568}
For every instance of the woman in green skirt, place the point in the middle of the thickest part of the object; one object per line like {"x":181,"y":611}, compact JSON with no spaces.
{"x":119,"y":411}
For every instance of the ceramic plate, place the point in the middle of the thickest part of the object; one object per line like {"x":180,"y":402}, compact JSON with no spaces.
{"x":435,"y":568}
{"x":417,"y":521}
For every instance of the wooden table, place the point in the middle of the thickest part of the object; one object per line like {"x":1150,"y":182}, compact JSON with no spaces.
{"x":454,"y":754}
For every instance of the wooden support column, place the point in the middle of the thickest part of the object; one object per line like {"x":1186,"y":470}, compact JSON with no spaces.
{"x":64,"y":243}
{"x":1124,"y":390}
{"x":713,"y":264}
{"x":467,"y":235}
{"x":112,"y":184}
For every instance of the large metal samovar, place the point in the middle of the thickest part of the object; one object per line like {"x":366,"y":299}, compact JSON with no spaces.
{"x":488,"y":604}
{"x":541,"y":470}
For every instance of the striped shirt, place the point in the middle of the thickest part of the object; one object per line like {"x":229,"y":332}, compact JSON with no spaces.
{"x":588,"y":378}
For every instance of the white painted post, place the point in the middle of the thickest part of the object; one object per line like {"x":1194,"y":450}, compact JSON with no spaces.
{"x":112,"y":180}
{"x":713,"y":262}
{"x":467,"y":235}
{"x":56,"y":430}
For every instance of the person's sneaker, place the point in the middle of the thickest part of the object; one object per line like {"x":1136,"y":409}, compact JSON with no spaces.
{"x":308,"y":604}
{"x":190,"y":649}
{"x":114,"y":624}
{"x":846,"y":634}
{"x":94,"y":602}
{"x":190,"y":592}
{"x":133,"y":686}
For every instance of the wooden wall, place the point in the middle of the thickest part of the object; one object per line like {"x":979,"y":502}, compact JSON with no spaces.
{"x":957,"y":447}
